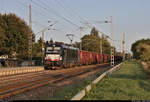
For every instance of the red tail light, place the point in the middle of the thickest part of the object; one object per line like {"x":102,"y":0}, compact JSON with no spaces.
{"x":48,"y":59}
{"x":52,"y":60}
{"x":56,"y":59}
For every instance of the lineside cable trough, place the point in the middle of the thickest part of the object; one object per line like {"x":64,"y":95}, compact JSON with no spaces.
{"x":82,"y":93}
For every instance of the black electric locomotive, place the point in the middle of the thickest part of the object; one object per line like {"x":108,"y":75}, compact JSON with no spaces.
{"x":60,"y":55}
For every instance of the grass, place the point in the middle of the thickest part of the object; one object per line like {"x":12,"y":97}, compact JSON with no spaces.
{"x":130,"y":82}
{"x":68,"y":91}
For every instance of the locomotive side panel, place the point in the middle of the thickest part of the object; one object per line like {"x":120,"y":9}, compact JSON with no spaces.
{"x":71,"y":57}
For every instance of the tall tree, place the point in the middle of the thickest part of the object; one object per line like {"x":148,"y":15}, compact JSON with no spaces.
{"x":37,"y":48}
{"x":141,"y":49}
{"x":92,"y":42}
{"x":15,"y":35}
{"x":94,"y":32}
{"x":77,"y":44}
{"x":3,"y":48}
{"x":3,"y":38}
{"x":144,"y":51}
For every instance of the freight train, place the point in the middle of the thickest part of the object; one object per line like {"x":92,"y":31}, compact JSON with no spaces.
{"x":60,"y":55}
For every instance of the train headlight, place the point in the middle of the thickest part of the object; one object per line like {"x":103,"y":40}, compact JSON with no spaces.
{"x":60,"y":58}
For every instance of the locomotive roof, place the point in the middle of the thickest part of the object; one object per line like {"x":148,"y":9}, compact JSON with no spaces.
{"x":64,"y":46}
{"x":71,"y":47}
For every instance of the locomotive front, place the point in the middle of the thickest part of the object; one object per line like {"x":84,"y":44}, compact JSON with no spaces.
{"x":53,"y":56}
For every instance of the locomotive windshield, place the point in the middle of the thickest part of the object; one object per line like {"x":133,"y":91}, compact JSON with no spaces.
{"x":53,"y":50}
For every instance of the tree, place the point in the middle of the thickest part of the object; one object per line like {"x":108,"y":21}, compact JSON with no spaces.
{"x":2,"y":42}
{"x":37,"y":48}
{"x":93,"y":41}
{"x":106,"y":45}
{"x":94,"y":32}
{"x":144,"y":51}
{"x":141,"y":49}
{"x":77,"y":44}
{"x":3,"y":38}
{"x":14,"y":34}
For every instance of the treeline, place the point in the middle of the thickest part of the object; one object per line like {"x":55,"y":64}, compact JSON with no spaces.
{"x":141,"y":49}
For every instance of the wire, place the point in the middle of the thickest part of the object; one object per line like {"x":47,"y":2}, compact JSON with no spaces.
{"x":77,"y":15}
{"x":67,"y":10}
{"x":47,"y":3}
{"x":35,"y":22}
{"x":34,"y":9}
{"x":54,"y":12}
{"x":70,"y":11}
{"x":73,"y":11}
{"x":2,"y":3}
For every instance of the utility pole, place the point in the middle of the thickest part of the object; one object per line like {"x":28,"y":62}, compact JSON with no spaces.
{"x":81,"y":28}
{"x":43,"y":30}
{"x":30,"y":37}
{"x":101,"y":44}
{"x":123,"y":47}
{"x":70,"y":37}
{"x":112,"y":37}
{"x":42,"y":40}
{"x":42,"y":46}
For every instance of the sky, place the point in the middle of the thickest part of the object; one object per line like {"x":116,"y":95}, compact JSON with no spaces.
{"x":130,"y":17}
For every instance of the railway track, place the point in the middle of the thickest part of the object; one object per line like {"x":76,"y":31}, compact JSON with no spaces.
{"x":17,"y":84}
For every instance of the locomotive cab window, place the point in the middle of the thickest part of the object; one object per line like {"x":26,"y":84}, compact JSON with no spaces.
{"x":56,"y":48}
{"x":49,"y":48}
{"x":53,"y":50}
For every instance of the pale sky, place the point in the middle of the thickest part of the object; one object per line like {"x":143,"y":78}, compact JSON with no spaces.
{"x":130,"y":17}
